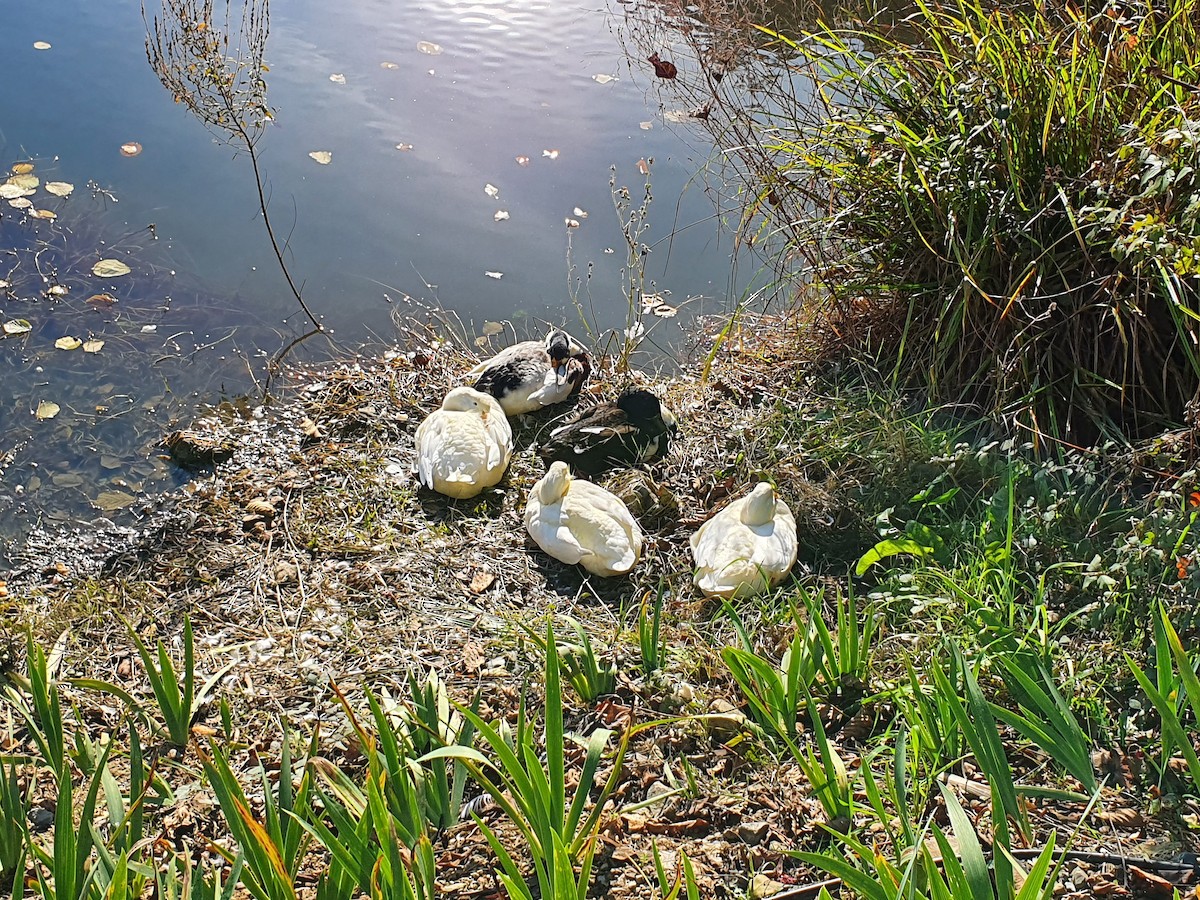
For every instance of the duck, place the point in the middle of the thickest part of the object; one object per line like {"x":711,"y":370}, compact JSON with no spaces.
{"x":465,"y":446}
{"x":747,"y":547}
{"x":531,"y":375}
{"x":636,"y":428}
{"x":578,"y":522}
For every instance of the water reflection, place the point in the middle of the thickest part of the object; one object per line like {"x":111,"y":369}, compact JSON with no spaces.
{"x":376,"y":224}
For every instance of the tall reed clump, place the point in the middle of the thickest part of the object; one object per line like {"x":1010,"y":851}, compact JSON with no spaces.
{"x":999,"y":201}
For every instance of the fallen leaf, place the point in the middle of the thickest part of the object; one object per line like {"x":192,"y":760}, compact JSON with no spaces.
{"x":481,"y":581}
{"x":68,"y":343}
{"x":131,"y":148}
{"x":404,"y":147}
{"x":10,"y":191}
{"x":47,"y":409}
{"x":149,"y":329}
{"x":501,"y":215}
{"x":662,"y":68}
{"x":4,"y":284}
{"x":46,"y":214}
{"x":665,"y":311}
{"x":490,"y":328}
{"x":602,"y":79}
{"x":496,"y":275}
{"x":550,"y":154}
{"x":571,"y":223}
{"x":93,"y":346}
{"x":41,"y":45}
{"x":25,"y":181}
{"x":17,"y":326}
{"x":338,"y":78}
{"x":522,"y":160}
{"x":580,"y":213}
{"x":58,"y":290}
{"x":20,"y":203}
{"x":388,"y":65}
{"x":110,"y":268}
{"x":643,"y":166}
{"x":112,"y":500}
{"x":22,"y":168}
{"x":491,"y":190}
{"x":676,"y":115}
{"x":645,"y":126}
{"x":59,"y":188}
{"x":482,"y":341}
{"x":101,"y":299}
{"x":324,"y":157}
{"x":429,"y":47}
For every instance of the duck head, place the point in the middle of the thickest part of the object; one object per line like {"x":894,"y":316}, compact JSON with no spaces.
{"x":760,"y":505}
{"x":644,"y":408}
{"x":553,"y":486}
{"x":465,"y":399}
{"x":561,"y":347}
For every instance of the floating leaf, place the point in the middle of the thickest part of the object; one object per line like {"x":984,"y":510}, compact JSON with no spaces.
{"x":21,"y":203}
{"x":501,"y":215}
{"x":4,"y":284}
{"x":676,"y":115}
{"x":491,"y":190}
{"x":131,"y":148}
{"x":490,"y":328}
{"x":429,"y":47}
{"x":550,"y":154}
{"x":643,"y":166}
{"x":388,"y":65}
{"x":481,"y":341}
{"x":496,"y":275}
{"x":10,"y":191}
{"x":47,"y":409}
{"x":636,"y":331}
{"x":47,"y":214}
{"x":149,"y":329}
{"x":580,"y":213}
{"x":522,"y":160}
{"x":101,"y":299}
{"x":17,"y":326}
{"x":25,"y":181}
{"x":603,"y":79}
{"x":110,"y":268}
{"x":645,"y":126}
{"x":665,"y":311}
{"x":405,"y":147}
{"x":59,"y":188}
{"x":93,"y":346}
{"x":58,"y":290}
{"x":571,"y":223}
{"x":113,"y":500}
{"x":337,"y":78}
{"x":324,"y":157}
{"x":41,"y":45}
{"x":22,"y":168}
{"x":68,"y":343}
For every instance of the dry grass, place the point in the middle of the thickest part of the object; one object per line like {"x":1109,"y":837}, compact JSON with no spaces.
{"x":312,"y":556}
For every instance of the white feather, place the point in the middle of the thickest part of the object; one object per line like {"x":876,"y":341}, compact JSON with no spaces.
{"x":747,"y":547}
{"x":578,"y":522}
{"x":465,"y":446}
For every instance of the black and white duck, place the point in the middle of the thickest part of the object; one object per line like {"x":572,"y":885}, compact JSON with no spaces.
{"x":636,"y":428}
{"x":531,"y":375}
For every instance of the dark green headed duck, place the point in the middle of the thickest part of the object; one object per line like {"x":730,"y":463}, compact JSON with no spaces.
{"x":635,"y":429}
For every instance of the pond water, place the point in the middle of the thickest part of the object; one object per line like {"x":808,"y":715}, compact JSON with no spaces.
{"x":528,"y":109}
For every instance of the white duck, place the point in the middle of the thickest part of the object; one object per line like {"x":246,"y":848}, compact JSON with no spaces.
{"x":745,"y":548}
{"x":578,"y":522}
{"x":465,"y":446}
{"x":533,"y":374}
